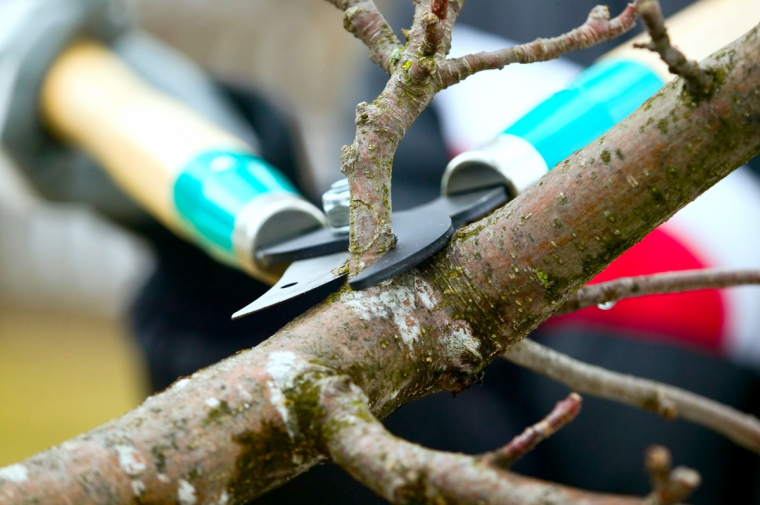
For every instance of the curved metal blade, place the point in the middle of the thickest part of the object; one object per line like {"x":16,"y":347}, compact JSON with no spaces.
{"x":466,"y":207}
{"x":302,"y":277}
{"x":419,"y":234}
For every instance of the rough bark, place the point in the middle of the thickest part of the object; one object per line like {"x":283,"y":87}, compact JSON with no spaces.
{"x":249,"y":423}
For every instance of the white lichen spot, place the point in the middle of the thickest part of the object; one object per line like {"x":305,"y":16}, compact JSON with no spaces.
{"x":130,"y":460}
{"x":180,"y":384}
{"x":14,"y":473}
{"x":398,"y":303}
{"x":458,"y":342}
{"x":283,"y":367}
{"x":426,"y":294}
{"x":163,"y":478}
{"x":212,"y":402}
{"x":138,"y":488}
{"x":223,"y":498}
{"x":186,"y":493}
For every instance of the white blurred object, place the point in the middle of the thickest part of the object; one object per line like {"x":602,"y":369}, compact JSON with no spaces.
{"x":483,"y":105}
{"x":64,"y":257}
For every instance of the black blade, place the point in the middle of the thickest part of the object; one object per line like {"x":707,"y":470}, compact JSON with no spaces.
{"x":419,"y":234}
{"x":316,"y":243}
{"x":461,"y":208}
{"x":466,"y":207}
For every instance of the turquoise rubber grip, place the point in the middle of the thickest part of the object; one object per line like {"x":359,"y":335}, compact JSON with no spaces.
{"x":213,"y":188}
{"x":601,"y":96}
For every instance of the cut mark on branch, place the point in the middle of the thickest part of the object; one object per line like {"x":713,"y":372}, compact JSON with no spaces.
{"x":668,"y":401}
{"x":597,"y":28}
{"x":671,"y":282}
{"x":563,"y":413}
{"x":699,"y":81}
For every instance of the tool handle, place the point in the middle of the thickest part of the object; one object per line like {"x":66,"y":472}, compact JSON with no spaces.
{"x":197,"y":179}
{"x":600,"y":97}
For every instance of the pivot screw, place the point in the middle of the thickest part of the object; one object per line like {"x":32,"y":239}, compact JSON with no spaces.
{"x":336,"y":204}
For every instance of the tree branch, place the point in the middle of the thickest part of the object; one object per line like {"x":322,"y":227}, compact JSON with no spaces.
{"x":563,"y":413}
{"x":366,"y":22}
{"x":667,"y":401}
{"x":597,"y":28}
{"x":402,"y":472}
{"x":699,"y":80}
{"x":670,"y":486}
{"x":247,"y":424}
{"x":657,"y":284}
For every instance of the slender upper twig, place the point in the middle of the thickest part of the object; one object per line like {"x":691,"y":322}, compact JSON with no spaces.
{"x":366,"y":22}
{"x":698,"y":79}
{"x":668,"y":401}
{"x":563,"y":413}
{"x":597,"y":28}
{"x":671,"y":282}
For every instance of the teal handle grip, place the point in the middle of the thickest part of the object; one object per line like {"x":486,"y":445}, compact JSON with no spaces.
{"x":212,"y":190}
{"x":601,"y":96}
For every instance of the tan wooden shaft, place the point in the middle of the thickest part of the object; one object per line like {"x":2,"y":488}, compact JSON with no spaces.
{"x":140,"y":136}
{"x":698,"y":30}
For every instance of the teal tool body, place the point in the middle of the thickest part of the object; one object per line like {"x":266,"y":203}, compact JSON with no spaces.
{"x":601,"y":96}
{"x":214,"y":188}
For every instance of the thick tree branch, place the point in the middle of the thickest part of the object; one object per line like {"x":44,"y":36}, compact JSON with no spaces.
{"x":670,"y":486}
{"x":700,"y":81}
{"x":366,"y":22}
{"x":667,"y":401}
{"x":563,"y":413}
{"x":644,"y":285}
{"x":597,"y":28}
{"x":248,"y":424}
{"x":402,"y":472}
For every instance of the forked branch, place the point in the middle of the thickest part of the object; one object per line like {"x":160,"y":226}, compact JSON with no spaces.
{"x":698,"y":79}
{"x":366,"y":22}
{"x":667,"y":401}
{"x":402,"y":472}
{"x":597,"y":28}
{"x":657,"y":284}
{"x":670,"y":486}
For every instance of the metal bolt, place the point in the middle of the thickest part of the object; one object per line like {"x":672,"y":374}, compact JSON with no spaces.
{"x":336,"y":202}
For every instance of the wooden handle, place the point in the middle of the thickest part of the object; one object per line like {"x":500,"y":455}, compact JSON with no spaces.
{"x":698,"y":30}
{"x":142,"y":137}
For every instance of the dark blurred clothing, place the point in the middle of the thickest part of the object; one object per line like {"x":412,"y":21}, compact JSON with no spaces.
{"x":182,"y":320}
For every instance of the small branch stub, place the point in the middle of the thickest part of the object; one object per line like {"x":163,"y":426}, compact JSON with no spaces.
{"x":562,"y":414}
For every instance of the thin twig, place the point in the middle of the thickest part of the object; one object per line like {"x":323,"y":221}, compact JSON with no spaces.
{"x":597,"y":28}
{"x":366,"y":22}
{"x":562,"y":414}
{"x":668,"y":401}
{"x":657,"y":284}
{"x":402,"y":472}
{"x":698,"y":79}
{"x":670,"y":486}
